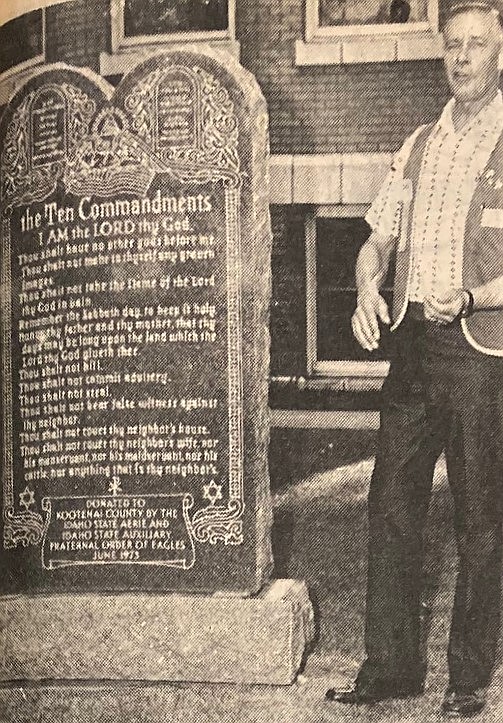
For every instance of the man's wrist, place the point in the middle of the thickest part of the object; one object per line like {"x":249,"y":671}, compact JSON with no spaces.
{"x":369,"y":288}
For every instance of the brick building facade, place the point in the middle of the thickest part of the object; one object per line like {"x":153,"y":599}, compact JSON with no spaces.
{"x":341,"y":101}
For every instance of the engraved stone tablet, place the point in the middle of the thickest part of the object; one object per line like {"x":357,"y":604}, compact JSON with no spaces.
{"x":135,"y":254}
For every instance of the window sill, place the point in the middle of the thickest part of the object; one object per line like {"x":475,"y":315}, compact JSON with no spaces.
{"x":129,"y":56}
{"x":369,"y":49}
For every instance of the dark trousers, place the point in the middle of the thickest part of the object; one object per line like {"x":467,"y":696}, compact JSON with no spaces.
{"x":440,"y":394}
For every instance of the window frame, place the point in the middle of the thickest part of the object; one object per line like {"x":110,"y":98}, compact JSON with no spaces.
{"x":315,"y":32}
{"x":120,"y":41}
{"x":372,"y":43}
{"x":338,"y":368}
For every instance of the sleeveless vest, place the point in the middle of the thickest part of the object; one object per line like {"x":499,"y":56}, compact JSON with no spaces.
{"x":482,"y":245}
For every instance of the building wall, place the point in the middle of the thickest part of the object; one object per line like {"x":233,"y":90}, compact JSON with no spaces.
{"x":77,"y":32}
{"x":313,"y":110}
{"x":332,"y":109}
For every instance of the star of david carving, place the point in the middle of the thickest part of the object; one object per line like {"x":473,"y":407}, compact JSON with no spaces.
{"x":212,"y":492}
{"x":27,"y":498}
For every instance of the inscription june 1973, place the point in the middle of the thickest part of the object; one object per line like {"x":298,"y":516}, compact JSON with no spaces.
{"x":122,"y":343}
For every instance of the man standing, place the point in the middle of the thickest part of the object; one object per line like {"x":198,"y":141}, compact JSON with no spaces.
{"x":440,"y":212}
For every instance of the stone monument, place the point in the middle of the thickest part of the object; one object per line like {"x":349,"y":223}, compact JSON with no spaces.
{"x":135,"y":262}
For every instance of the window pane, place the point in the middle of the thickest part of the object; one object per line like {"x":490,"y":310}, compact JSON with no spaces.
{"x":158,"y":17}
{"x":21,"y":39}
{"x":338,"y":241}
{"x":371,"y":12}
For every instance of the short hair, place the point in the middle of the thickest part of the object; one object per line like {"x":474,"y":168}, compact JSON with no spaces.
{"x":491,"y":7}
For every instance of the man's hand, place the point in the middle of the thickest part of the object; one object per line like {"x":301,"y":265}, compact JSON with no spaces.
{"x":370,"y":308}
{"x":446,"y":307}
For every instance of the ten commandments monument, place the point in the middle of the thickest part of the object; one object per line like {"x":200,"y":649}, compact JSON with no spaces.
{"x":135,"y":262}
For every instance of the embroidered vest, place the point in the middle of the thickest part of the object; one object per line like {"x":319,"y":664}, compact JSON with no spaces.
{"x":482,"y":245}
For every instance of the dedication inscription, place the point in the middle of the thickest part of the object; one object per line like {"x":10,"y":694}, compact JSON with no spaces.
{"x":135,"y":269}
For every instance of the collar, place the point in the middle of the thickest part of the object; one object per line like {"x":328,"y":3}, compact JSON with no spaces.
{"x":491,"y":113}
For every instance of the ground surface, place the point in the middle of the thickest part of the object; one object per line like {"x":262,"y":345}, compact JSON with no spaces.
{"x":320,"y":482}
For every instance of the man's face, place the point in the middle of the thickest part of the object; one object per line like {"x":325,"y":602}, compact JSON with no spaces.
{"x":472,"y":43}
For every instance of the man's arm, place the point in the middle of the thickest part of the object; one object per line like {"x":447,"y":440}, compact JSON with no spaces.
{"x":373,"y":259}
{"x":371,"y":270}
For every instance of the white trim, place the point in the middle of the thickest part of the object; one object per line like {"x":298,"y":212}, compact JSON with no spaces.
{"x":120,"y":41}
{"x":352,"y":210}
{"x":281,"y":179}
{"x":371,"y":49}
{"x":320,"y":419}
{"x":334,"y":182}
{"x":315,"y":31}
{"x":372,"y":43}
{"x":351,"y":368}
{"x":484,"y":349}
{"x":317,"y":178}
{"x":378,"y":29}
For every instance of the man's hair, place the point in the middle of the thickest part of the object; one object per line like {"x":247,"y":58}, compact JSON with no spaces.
{"x":464,"y":6}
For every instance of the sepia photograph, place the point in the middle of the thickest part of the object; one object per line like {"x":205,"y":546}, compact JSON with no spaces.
{"x":251,"y":361}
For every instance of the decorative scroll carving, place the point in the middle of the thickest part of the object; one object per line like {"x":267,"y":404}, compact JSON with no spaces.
{"x":218,"y":523}
{"x":212,"y":148}
{"x":45,"y":128}
{"x":22,"y":528}
{"x":110,"y":159}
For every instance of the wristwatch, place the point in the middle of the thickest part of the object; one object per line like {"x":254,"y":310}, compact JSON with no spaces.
{"x":468,"y":303}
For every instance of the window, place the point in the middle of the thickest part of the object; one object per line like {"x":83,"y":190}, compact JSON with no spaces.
{"x":137,"y":22}
{"x":22,"y":42}
{"x":334,"y":236}
{"x":152,"y":17}
{"x":354,"y":16}
{"x":362,"y":31}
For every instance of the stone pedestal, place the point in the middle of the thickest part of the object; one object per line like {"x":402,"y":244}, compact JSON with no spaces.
{"x":215,"y":639}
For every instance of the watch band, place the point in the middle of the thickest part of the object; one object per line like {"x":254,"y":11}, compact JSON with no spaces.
{"x":468,"y":304}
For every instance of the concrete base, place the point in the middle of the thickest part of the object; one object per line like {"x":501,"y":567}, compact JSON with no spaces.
{"x":154,"y":637}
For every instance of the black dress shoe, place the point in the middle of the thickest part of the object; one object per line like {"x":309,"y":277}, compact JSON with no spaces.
{"x":349,"y":697}
{"x":462,"y":704}
{"x":382,"y":691}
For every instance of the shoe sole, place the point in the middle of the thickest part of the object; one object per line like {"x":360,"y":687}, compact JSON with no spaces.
{"x":374,"y":701}
{"x":457,"y":715}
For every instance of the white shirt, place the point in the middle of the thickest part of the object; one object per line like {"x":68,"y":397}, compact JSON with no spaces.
{"x":451,"y":166}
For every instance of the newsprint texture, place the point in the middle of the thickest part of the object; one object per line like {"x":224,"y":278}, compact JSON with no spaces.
{"x":251,"y":343}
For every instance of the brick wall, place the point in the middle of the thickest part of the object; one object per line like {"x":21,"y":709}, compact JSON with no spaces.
{"x":321,"y":109}
{"x":330,"y":109}
{"x":76,"y":32}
